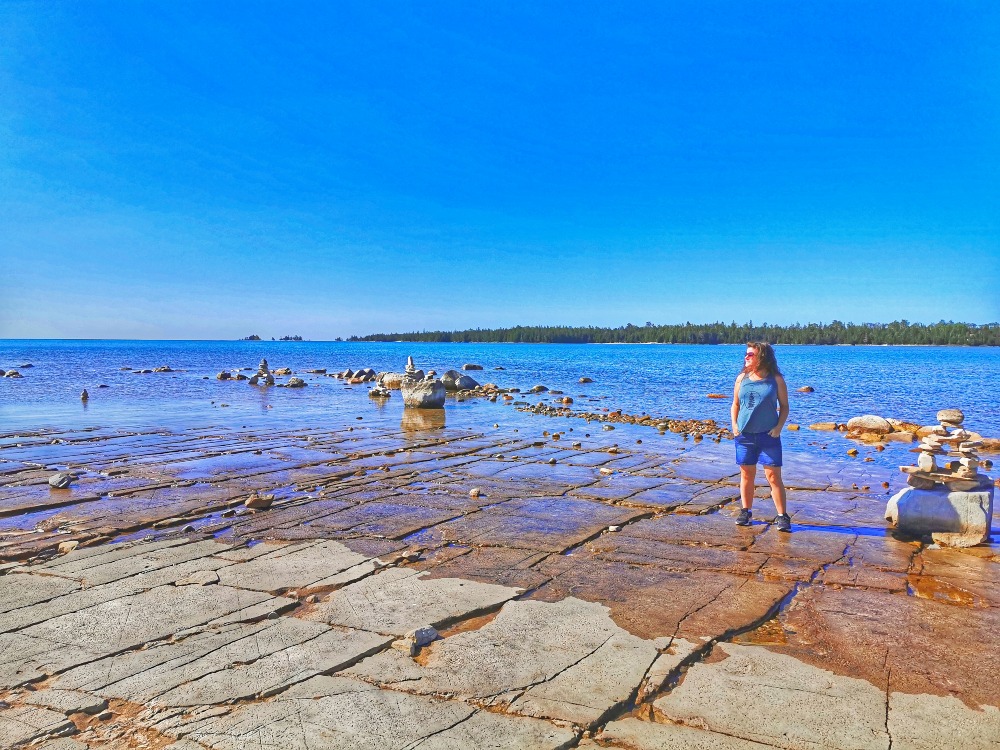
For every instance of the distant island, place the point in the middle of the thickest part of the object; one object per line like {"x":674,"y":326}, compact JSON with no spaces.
{"x":255,"y":337}
{"x":899,"y":332}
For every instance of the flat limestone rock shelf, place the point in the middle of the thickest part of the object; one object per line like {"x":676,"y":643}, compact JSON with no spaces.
{"x":582,"y":598}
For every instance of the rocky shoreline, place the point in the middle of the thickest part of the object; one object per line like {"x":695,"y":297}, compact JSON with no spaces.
{"x":374,"y":586}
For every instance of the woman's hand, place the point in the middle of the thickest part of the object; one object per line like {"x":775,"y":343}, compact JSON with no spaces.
{"x":774,"y":432}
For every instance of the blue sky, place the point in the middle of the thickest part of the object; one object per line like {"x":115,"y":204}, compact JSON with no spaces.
{"x":215,"y":169}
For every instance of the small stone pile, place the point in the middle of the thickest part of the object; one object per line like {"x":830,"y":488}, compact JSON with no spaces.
{"x":960,"y":474}
{"x":263,"y":376}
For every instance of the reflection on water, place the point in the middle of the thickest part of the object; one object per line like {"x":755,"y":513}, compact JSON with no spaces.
{"x":415,"y":420}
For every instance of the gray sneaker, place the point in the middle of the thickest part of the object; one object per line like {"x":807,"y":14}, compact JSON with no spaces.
{"x":744,"y":517}
{"x":784,"y":522}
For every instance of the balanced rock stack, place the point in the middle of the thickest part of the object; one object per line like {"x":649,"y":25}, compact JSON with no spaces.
{"x":961,"y":474}
{"x":263,"y":376}
{"x":419,"y":392}
{"x":952,"y":503}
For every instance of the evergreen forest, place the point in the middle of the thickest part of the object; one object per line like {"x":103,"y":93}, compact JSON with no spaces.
{"x":899,"y":332}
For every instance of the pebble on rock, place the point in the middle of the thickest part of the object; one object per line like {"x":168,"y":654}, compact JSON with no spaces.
{"x":259,"y":502}
{"x":62,"y":480}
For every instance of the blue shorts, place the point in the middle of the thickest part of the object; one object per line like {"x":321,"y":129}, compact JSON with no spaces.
{"x":754,"y":447}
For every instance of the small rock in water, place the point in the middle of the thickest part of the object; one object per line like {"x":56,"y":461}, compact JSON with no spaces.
{"x":84,"y":396}
{"x":475,"y":492}
{"x":586,"y":380}
{"x":552,"y":460}
{"x":65,"y":547}
{"x":806,"y":389}
{"x":614,"y":528}
{"x":62,"y":480}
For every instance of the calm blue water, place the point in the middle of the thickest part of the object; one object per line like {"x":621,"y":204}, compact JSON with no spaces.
{"x":909,"y":383}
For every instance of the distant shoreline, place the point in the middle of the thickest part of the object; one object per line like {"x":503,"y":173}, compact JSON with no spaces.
{"x":897,"y":333}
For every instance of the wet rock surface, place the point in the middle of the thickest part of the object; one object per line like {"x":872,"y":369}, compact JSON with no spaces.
{"x":183,"y":617}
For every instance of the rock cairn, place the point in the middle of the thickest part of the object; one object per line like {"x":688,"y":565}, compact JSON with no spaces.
{"x":411,"y":371}
{"x":419,"y":391}
{"x":263,"y":376}
{"x":948,"y":439}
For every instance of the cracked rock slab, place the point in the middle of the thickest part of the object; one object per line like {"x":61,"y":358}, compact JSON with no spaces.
{"x":240,"y":661}
{"x":399,"y":600}
{"x":83,"y":636}
{"x":19,"y":726}
{"x":651,"y":602}
{"x":66,"y":701}
{"x":351,"y":715}
{"x":793,"y":705}
{"x":26,"y":590}
{"x":569,"y":660}
{"x":321,"y":564}
{"x":912,"y":644}
{"x":647,"y":735}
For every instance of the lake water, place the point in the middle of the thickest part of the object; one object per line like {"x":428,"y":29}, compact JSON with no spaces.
{"x":909,"y":383}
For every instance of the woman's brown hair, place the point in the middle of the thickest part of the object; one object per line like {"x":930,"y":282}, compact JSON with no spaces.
{"x":767,"y":363}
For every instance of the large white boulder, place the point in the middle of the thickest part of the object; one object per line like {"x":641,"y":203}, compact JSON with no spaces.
{"x":869,"y":423}
{"x":954,"y":519}
{"x":423,"y":394}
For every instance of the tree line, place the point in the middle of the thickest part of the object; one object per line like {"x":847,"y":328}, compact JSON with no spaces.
{"x":900,"y":332}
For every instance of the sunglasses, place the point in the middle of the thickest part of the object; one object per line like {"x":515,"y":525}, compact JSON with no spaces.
{"x":749,"y":355}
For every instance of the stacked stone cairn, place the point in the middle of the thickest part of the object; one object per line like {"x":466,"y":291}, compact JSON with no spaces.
{"x":952,"y":503}
{"x":263,"y":376}
{"x":960,"y":474}
{"x":421,"y":392}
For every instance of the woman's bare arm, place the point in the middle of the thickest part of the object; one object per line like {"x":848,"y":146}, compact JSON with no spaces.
{"x":782,"y":405}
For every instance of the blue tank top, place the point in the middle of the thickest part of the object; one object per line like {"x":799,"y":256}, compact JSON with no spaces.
{"x":758,"y":405}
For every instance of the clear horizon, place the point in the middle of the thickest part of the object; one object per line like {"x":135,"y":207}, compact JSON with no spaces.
{"x":195,"y":171}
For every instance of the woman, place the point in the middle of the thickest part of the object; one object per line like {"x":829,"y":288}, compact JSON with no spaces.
{"x":759,"y":411}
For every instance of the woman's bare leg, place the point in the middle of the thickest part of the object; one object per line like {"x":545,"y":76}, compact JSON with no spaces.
{"x":746,"y":485}
{"x":773,"y":475}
